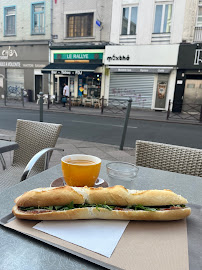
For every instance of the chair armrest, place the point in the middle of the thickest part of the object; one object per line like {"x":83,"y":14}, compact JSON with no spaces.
{"x":35,"y":158}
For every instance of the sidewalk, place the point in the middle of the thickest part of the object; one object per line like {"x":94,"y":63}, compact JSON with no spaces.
{"x":103,"y":151}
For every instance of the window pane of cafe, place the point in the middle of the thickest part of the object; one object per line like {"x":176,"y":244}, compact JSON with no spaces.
{"x":80,"y":25}
{"x":10,"y":21}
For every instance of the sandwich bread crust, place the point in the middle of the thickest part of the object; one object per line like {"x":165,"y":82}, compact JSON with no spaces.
{"x":49,"y":196}
{"x":117,"y":195}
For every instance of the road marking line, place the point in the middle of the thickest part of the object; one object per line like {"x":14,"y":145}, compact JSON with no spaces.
{"x":84,"y":122}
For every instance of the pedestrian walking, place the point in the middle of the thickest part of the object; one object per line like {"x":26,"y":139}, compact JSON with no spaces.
{"x":65,"y":94}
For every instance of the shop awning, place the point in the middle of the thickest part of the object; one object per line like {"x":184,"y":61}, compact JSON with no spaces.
{"x":140,"y":69}
{"x":65,"y":68}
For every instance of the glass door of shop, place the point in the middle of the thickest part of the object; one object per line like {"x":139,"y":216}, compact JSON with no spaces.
{"x":62,"y":80}
{"x":192,"y":94}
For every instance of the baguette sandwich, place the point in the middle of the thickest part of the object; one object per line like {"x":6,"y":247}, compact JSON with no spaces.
{"x":67,"y":203}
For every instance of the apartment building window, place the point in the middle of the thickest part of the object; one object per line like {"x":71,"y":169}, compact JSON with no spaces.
{"x":129,"y":20}
{"x":9,"y":21}
{"x":38,"y":18}
{"x":199,"y":17}
{"x":80,"y":25}
{"x":163,"y":17}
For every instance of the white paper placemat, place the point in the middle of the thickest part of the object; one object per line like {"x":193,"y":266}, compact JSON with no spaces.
{"x":100,"y":236}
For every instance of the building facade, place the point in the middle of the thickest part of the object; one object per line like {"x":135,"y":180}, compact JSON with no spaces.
{"x":188,"y":87}
{"x":25,"y":33}
{"x":111,"y":48}
{"x":135,"y":73}
{"x":80,"y":34}
{"x":142,"y":61}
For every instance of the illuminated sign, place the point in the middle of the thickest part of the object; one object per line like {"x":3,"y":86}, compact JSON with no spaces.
{"x":77,"y":56}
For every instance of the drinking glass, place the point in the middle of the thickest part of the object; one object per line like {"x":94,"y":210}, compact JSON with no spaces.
{"x":122,"y":173}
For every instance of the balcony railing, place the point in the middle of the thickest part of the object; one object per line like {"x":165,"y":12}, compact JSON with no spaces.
{"x":198,"y":34}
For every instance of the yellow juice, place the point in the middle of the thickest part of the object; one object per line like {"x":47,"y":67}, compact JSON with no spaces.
{"x":80,"y":172}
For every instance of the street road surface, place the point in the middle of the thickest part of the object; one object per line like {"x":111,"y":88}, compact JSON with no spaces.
{"x":108,"y":130}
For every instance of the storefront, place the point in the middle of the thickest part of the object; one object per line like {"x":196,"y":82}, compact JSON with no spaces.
{"x":144,"y":73}
{"x":81,"y":70}
{"x":20,"y":68}
{"x":188,"y":88}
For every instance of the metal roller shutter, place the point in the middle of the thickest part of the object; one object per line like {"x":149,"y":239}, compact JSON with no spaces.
{"x":137,"y":86}
{"x":15,"y":82}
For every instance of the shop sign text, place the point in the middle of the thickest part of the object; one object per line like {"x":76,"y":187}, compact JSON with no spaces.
{"x":117,"y":58}
{"x":77,"y":56}
{"x":142,"y":70}
{"x":197,"y":58}
{"x":21,"y":64}
{"x":63,"y":72}
{"x":10,"y":64}
{"x":8,"y":53}
{"x":78,"y":72}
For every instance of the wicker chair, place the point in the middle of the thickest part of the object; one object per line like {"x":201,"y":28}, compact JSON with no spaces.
{"x":168,"y":157}
{"x":36,"y":142}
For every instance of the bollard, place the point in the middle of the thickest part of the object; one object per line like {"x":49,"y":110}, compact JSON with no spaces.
{"x":48,"y":102}
{"x":102,"y":104}
{"x":125,"y":124}
{"x":5,"y":96}
{"x":168,"y":112}
{"x":200,"y":120}
{"x":70,"y":100}
{"x":41,"y":106}
{"x":22,"y":97}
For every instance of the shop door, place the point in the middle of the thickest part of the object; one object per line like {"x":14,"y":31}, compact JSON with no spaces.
{"x":137,"y":86}
{"x":192,"y":94}
{"x":38,"y":85}
{"x":61,"y":86}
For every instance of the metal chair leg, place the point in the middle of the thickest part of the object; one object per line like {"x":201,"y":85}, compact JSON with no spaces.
{"x":3,"y":161}
{"x":47,"y":159}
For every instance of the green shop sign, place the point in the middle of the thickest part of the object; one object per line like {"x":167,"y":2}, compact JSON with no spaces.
{"x":78,"y":56}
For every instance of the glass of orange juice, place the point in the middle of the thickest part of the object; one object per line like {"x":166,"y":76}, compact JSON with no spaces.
{"x":80,"y":170}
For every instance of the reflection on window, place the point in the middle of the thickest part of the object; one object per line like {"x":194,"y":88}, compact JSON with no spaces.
{"x":133,"y":21}
{"x":163,"y":17}
{"x":125,"y":21}
{"x":129,"y":21}
{"x":9,"y":28}
{"x":38,"y":18}
{"x":199,"y":18}
{"x":80,"y":25}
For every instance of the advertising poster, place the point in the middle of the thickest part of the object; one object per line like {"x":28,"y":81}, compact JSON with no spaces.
{"x":80,"y":85}
{"x":161,"y":92}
